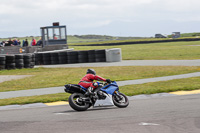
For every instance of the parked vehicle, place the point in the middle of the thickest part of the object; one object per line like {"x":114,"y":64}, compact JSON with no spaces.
{"x":106,"y":94}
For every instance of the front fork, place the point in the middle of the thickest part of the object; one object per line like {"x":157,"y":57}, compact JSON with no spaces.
{"x":118,"y":96}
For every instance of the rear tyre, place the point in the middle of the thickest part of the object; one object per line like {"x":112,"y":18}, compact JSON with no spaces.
{"x":76,"y":104}
{"x":120,"y":100}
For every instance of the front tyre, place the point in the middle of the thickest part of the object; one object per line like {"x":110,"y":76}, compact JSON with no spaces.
{"x":76,"y":103}
{"x":120,"y":100}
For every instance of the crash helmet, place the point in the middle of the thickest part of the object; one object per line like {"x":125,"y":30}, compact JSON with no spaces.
{"x":91,"y":71}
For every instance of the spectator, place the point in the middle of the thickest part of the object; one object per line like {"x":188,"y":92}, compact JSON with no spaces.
{"x":19,"y":42}
{"x":54,"y":37}
{"x":15,"y":42}
{"x":2,"y":44}
{"x":39,"y":42}
{"x":25,"y":44}
{"x":33,"y":42}
{"x":9,"y":43}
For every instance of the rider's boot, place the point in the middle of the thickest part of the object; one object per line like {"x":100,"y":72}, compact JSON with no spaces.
{"x":89,"y":91}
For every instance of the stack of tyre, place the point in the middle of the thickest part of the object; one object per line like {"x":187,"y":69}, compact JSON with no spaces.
{"x":82,"y":56}
{"x":19,"y":61}
{"x":2,"y":62}
{"x":100,"y":55}
{"x":91,"y":56}
{"x":29,"y":60}
{"x":32,"y":64}
{"x":72,"y":57}
{"x":10,"y":62}
{"x":62,"y":57}
{"x":46,"y":58}
{"x":54,"y":58}
{"x":38,"y":58}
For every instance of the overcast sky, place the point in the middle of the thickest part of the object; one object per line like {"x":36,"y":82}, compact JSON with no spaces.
{"x":102,"y":17}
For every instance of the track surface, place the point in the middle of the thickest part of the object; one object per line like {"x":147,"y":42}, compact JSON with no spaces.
{"x":173,"y":114}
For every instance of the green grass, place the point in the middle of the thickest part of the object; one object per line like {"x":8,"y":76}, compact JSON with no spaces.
{"x":53,"y":77}
{"x":154,"y":51}
{"x":130,"y":90}
{"x":35,"y":99}
{"x":163,"y":86}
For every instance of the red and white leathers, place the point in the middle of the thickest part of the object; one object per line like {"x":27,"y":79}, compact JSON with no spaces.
{"x":87,"y":81}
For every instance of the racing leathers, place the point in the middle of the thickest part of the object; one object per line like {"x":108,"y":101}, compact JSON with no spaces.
{"x":87,"y":81}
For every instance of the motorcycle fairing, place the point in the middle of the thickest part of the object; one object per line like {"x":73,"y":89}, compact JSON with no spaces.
{"x":106,"y":102}
{"x":112,"y":88}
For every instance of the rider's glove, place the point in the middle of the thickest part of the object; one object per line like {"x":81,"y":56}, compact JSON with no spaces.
{"x":108,"y":81}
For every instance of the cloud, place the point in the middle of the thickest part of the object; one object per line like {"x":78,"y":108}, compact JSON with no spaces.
{"x":27,"y":16}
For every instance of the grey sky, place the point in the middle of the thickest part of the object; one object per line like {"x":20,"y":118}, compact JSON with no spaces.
{"x":105,"y":17}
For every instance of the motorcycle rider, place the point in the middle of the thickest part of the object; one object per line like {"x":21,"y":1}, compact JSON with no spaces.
{"x":87,"y":81}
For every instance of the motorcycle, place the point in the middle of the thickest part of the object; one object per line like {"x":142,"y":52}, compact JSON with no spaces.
{"x":105,"y":95}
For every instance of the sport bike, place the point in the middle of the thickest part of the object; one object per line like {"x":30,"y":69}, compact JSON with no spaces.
{"x":105,"y":95}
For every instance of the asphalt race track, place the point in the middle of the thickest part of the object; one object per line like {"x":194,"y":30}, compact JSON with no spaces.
{"x":171,"y":114}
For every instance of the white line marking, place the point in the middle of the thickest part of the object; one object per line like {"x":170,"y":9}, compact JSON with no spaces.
{"x":62,"y":114}
{"x":148,"y":124}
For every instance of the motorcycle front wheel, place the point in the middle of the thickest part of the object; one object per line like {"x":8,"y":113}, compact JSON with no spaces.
{"x":76,"y":103}
{"x":120,"y":100}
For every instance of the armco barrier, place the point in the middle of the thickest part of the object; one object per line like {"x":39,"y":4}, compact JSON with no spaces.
{"x":140,"y":42}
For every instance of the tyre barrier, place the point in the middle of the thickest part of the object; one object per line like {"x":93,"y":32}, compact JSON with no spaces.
{"x":54,"y":58}
{"x":100,"y":55}
{"x":46,"y":58}
{"x":62,"y":57}
{"x":82,"y":56}
{"x":72,"y":57}
{"x":91,"y":56}
{"x":32,"y":64}
{"x":38,"y":59}
{"x":2,"y":62}
{"x":27,"y":60}
{"x":10,"y":62}
{"x":17,"y":61}
{"x":20,"y":61}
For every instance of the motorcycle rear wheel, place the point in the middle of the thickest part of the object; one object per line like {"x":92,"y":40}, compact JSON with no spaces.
{"x":120,"y":100}
{"x":76,"y":104}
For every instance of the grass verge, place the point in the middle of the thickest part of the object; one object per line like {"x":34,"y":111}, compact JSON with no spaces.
{"x":53,"y":77}
{"x":163,"y":86}
{"x":130,"y":90}
{"x":154,"y":51}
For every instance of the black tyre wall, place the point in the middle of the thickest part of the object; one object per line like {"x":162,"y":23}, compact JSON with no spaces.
{"x":2,"y":58}
{"x":2,"y":62}
{"x":91,"y":56}
{"x":54,"y":58}
{"x":39,"y":59}
{"x":100,"y":55}
{"x":10,"y":62}
{"x":27,"y":60}
{"x":47,"y":58}
{"x":72,"y":57}
{"x":62,"y":56}
{"x":82,"y":56}
{"x":32,"y":64}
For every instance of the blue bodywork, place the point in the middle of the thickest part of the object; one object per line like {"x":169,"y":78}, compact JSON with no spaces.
{"x":110,"y":88}
{"x":83,"y":88}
